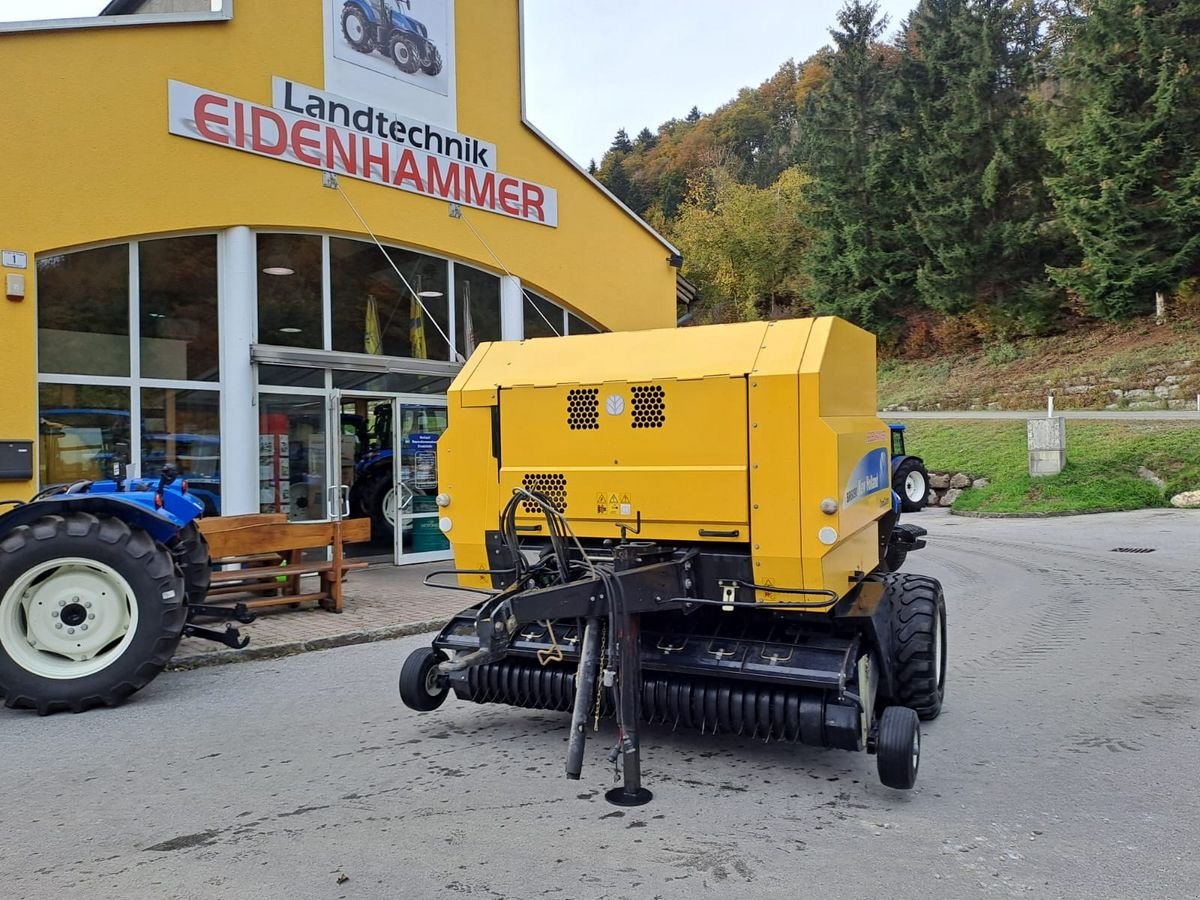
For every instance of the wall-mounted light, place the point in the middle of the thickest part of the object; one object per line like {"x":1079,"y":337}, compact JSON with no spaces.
{"x":430,"y":295}
{"x":290,"y":330}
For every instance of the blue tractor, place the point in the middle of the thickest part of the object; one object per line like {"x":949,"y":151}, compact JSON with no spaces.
{"x":909,"y":477}
{"x":99,"y":581}
{"x":385,"y":25}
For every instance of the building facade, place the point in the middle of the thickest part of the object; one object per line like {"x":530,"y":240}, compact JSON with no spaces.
{"x":255,"y":241}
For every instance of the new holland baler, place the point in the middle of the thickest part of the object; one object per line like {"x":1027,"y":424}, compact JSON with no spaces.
{"x":686,"y":526}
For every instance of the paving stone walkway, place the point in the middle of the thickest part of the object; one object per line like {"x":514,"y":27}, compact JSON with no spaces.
{"x":382,"y":602}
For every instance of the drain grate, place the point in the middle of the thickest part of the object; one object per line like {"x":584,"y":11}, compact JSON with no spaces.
{"x":1132,"y":550}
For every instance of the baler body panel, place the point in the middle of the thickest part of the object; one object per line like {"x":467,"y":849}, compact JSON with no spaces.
{"x":731,"y":434}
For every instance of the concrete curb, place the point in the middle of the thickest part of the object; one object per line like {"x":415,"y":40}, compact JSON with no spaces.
{"x":972,"y":514}
{"x":291,"y":648}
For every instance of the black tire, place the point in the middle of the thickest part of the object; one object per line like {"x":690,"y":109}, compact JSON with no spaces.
{"x":433,"y":64}
{"x":351,"y":12}
{"x":374,"y":494}
{"x":404,"y":53}
{"x":912,"y":484}
{"x":896,"y":555}
{"x":898,"y":748}
{"x":918,"y":651}
{"x":196,"y":563}
{"x":153,"y":580}
{"x":417,"y":688}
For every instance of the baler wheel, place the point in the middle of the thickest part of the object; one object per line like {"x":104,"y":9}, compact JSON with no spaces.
{"x":899,"y":747}
{"x":918,"y":650}
{"x":419,"y":686}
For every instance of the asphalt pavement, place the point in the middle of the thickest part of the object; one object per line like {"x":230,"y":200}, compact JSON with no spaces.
{"x":1064,"y":765}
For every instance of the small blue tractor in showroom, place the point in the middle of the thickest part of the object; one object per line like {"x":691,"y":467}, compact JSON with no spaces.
{"x":384,"y":25}
{"x":99,"y":581}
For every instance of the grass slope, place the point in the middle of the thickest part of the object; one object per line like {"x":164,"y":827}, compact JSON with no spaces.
{"x":1101,"y":472}
{"x":1092,"y":363}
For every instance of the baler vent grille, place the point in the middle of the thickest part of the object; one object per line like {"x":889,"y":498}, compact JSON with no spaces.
{"x":552,"y":486}
{"x":583,"y":408}
{"x":649,"y":406}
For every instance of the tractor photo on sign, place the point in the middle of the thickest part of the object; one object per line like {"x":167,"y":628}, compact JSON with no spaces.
{"x":391,"y":38}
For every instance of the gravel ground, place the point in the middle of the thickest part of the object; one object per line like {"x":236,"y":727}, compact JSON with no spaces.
{"x":1064,"y":765}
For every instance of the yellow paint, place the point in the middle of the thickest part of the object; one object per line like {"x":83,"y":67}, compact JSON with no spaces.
{"x":88,"y":160}
{"x":759,"y":423}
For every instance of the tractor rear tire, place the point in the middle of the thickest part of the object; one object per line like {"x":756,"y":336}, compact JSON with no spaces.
{"x":918,"y":651}
{"x":898,"y":748}
{"x":197,"y":565}
{"x":356,"y":29}
{"x":91,"y":610}
{"x":912,"y":484}
{"x":418,"y":688}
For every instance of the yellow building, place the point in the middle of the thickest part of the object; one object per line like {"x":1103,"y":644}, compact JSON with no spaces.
{"x":256,"y":240}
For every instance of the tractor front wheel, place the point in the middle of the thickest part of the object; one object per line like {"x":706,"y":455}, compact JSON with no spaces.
{"x":420,"y":687}
{"x":433,"y":62}
{"x":91,"y":610}
{"x":404,"y":54}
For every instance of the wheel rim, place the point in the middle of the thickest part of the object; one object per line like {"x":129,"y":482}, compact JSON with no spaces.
{"x":389,"y":503}
{"x":68,"y":618}
{"x":914,"y":486}
{"x":431,"y":685}
{"x":916,"y":749}
{"x":355,"y":30}
{"x":402,"y":53}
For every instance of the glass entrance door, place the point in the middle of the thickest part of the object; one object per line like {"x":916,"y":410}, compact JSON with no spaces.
{"x":386,"y":470}
{"x":420,"y":424}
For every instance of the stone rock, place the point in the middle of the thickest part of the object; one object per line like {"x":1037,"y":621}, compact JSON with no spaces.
{"x":1149,"y":476}
{"x":1078,"y":389}
{"x":1145,"y":404}
{"x":959,"y":480}
{"x":939,"y":481}
{"x":980,"y":483}
{"x":1139,"y":394}
{"x":949,"y":497}
{"x":932,"y":499}
{"x":1181,"y":404}
{"x":1187,"y":500}
{"x":1166,"y":390}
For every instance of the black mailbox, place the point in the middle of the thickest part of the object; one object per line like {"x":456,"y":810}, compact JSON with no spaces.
{"x":16,"y":460}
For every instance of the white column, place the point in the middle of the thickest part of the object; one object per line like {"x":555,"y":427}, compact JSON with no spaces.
{"x":512,"y":309}
{"x":239,"y":403}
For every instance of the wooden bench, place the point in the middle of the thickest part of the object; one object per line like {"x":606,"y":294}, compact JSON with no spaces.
{"x":269,"y":554}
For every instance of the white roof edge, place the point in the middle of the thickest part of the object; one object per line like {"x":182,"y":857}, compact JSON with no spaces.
{"x":563,"y":153}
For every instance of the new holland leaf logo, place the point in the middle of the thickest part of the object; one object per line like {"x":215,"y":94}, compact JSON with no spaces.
{"x":614,"y":405}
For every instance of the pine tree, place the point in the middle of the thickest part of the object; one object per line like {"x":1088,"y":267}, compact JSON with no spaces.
{"x":973,"y":160}
{"x":693,"y":115}
{"x":646,"y":139}
{"x":1127,"y":135}
{"x":621,"y":143}
{"x":859,"y":261}
{"x":591,"y":167}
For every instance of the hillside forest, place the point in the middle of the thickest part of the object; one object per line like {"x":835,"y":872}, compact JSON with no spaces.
{"x":987,"y":170}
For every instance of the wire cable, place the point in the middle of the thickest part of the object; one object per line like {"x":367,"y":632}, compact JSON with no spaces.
{"x":458,"y":357}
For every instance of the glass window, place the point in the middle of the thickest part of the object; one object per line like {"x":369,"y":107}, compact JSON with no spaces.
{"x":290,"y":309}
{"x":477,"y":296}
{"x":177,"y":288}
{"x":83,"y":312}
{"x":84,"y":432}
{"x":373,"y":311}
{"x":542,"y":318}
{"x":182,"y":428}
{"x":292,"y":456}
{"x":293,"y":376}
{"x":390,"y":382}
{"x":576,"y":325}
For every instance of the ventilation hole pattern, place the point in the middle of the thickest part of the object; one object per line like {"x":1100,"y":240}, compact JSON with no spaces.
{"x":649,"y":407}
{"x":551,"y":486}
{"x":583,"y":409}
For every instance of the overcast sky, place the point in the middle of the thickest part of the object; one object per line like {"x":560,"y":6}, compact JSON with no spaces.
{"x":593,"y":67}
